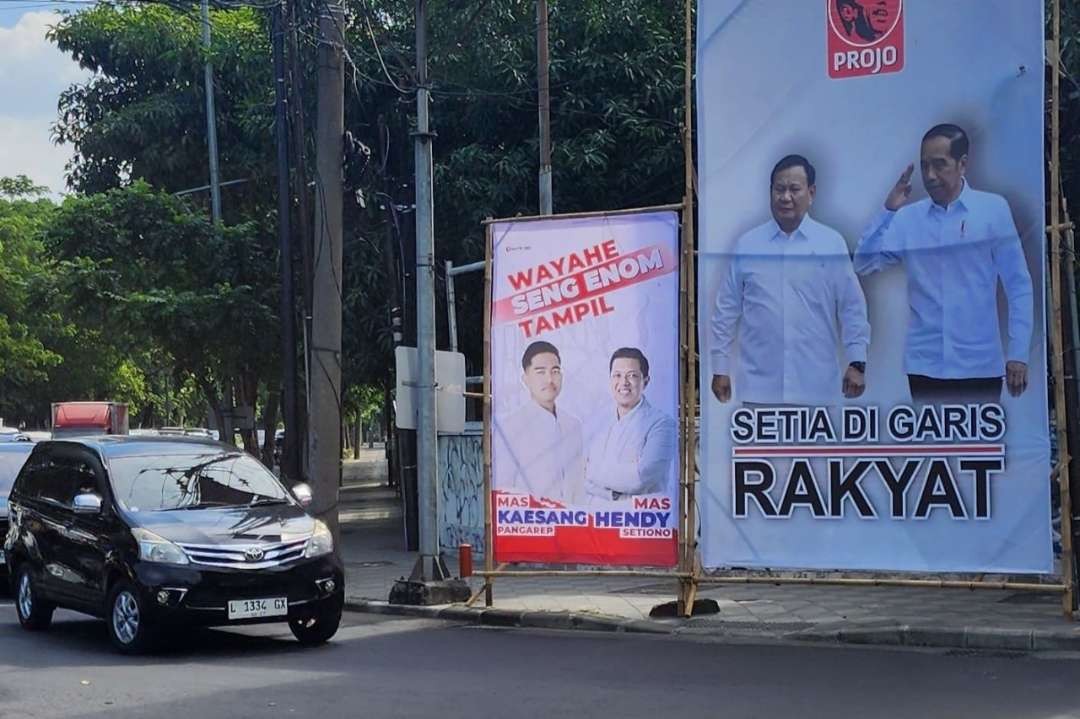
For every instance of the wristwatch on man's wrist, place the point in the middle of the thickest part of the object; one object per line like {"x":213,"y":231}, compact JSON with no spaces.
{"x":861,"y":366}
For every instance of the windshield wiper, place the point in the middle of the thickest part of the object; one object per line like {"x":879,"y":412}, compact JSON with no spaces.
{"x":199,"y":505}
{"x":262,"y":501}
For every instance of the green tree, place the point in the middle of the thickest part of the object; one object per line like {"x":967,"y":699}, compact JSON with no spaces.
{"x":140,"y":119}
{"x":24,"y":358}
{"x":141,"y":269}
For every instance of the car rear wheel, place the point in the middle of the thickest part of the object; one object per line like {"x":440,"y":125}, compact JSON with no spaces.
{"x":317,"y":628}
{"x":129,"y":624}
{"x":34,"y":612}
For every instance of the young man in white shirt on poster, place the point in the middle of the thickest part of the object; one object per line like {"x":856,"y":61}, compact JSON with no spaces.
{"x":788,"y":300}
{"x":538,"y":446}
{"x":956,"y":246}
{"x":635,"y":451}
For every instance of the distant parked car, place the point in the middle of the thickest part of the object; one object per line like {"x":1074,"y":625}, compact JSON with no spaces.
{"x":12,"y":457}
{"x":11,"y":434}
{"x":152,"y":532}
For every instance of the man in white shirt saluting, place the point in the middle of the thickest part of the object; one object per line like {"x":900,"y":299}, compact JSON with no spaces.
{"x":635,"y":451}
{"x":538,"y":447}
{"x":791,"y":293}
{"x":955,"y":246}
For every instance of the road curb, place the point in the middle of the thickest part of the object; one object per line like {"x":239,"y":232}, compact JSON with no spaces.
{"x":493,"y":617}
{"x":979,"y":638}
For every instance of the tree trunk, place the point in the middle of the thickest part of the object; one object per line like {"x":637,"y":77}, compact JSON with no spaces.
{"x":273,"y":399}
{"x":247,"y":390}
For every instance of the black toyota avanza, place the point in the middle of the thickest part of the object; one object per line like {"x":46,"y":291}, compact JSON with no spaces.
{"x":153,"y":532}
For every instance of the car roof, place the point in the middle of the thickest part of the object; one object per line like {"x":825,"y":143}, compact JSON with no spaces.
{"x":16,"y":447}
{"x":136,"y":445}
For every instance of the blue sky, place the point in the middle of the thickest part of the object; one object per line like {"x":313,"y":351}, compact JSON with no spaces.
{"x":33,"y":73}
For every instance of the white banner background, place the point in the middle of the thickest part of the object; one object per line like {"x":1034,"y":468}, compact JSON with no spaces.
{"x":764,"y":92}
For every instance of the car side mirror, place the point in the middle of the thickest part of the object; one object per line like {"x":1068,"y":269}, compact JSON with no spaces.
{"x":87,"y":503}
{"x":302,"y":492}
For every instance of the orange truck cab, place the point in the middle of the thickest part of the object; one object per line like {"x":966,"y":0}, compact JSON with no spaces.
{"x":71,"y":419}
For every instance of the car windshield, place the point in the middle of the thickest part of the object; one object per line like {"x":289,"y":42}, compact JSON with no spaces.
{"x":192,"y":481}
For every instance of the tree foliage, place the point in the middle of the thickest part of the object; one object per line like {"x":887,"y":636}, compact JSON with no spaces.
{"x":140,"y":268}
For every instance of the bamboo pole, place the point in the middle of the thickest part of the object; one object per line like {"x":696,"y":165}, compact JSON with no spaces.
{"x":1057,"y":344}
{"x":655,"y":574}
{"x":687,"y":333}
{"x":586,"y":215}
{"x":912,"y":583}
{"x":489,"y":551}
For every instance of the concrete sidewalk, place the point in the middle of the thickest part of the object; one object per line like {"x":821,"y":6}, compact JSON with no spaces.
{"x":373,"y":547}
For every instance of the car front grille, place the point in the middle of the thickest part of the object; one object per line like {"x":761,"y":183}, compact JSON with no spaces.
{"x":236,"y":556}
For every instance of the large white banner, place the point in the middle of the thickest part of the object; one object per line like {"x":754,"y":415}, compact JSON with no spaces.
{"x":585,"y":378}
{"x":871,"y":285}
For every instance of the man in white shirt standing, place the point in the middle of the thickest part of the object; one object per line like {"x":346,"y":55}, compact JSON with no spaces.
{"x":538,"y":448}
{"x":635,"y":451}
{"x":793,"y":297}
{"x":956,"y":245}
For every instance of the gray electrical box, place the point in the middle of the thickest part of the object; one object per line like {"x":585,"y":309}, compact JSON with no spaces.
{"x":449,"y":390}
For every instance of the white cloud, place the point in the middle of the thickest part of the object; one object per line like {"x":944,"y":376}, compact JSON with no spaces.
{"x":33,"y":73}
{"x":26,"y":149}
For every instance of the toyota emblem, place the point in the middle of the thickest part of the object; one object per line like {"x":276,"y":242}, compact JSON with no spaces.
{"x":253,"y":554}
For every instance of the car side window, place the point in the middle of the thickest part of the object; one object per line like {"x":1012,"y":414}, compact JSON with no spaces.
{"x":62,"y":479}
{"x":26,"y":482}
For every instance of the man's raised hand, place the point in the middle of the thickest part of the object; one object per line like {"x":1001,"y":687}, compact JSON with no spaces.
{"x":901,"y":191}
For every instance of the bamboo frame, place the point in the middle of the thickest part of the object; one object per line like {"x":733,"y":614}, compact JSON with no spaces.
{"x":655,"y":574}
{"x":1057,"y":343}
{"x":887,"y":582}
{"x":1055,"y":227}
{"x":489,"y":572}
{"x":689,"y":572}
{"x":585,"y":215}
{"x":688,"y":330}
{"x":489,"y":550}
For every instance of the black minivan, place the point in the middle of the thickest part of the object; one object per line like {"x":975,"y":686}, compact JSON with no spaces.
{"x":154,"y":532}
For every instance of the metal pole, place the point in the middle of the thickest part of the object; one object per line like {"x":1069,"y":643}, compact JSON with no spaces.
{"x":324,"y":437}
{"x":543,"y":80}
{"x":429,"y":566}
{"x":451,"y":309}
{"x":289,"y":465}
{"x":211,"y":122}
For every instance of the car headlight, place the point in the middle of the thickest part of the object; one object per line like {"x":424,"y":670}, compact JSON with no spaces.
{"x":321,"y":541}
{"x":153,"y":548}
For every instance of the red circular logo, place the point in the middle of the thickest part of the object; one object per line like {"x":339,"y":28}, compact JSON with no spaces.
{"x":863,"y":23}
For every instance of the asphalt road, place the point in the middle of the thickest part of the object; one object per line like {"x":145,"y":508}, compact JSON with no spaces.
{"x":392,"y":667}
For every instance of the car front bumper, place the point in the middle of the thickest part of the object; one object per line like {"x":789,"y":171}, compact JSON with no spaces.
{"x":201,"y":595}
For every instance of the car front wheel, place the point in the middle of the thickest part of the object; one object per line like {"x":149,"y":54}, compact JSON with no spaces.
{"x":129,"y":623}
{"x":317,"y":628}
{"x":34,"y":612}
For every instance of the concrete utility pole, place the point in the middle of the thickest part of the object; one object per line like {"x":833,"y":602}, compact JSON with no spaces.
{"x":543,"y":80}
{"x":289,"y":466}
{"x":211,"y":121}
{"x":429,"y":566}
{"x":324,"y":455}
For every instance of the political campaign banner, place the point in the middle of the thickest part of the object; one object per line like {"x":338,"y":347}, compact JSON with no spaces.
{"x":585,"y":389}
{"x":871,"y":307}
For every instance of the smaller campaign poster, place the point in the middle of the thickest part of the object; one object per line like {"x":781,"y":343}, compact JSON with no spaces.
{"x":866,"y":37}
{"x":585,"y":389}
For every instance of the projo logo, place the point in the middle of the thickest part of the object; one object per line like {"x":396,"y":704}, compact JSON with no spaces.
{"x":866,"y":37}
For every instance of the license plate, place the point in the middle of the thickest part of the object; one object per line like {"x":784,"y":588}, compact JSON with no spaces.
{"x":256,"y":608}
